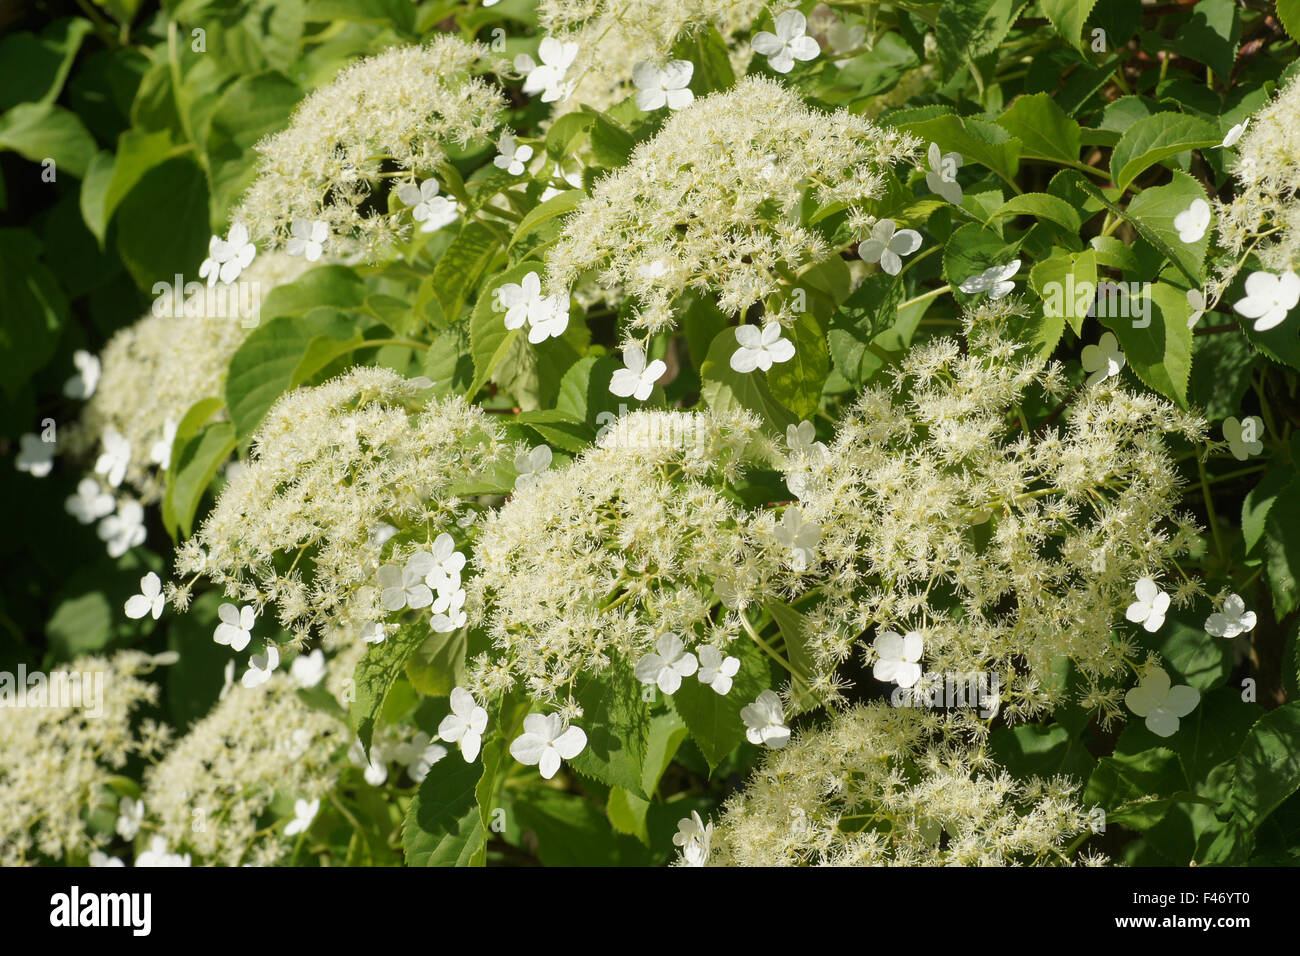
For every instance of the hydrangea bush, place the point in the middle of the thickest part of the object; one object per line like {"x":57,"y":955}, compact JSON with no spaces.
{"x":695,"y":432}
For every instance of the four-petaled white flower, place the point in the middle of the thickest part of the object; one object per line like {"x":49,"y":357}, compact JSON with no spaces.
{"x":150,"y":600}
{"x":799,"y":536}
{"x":995,"y":280}
{"x":374,"y":632}
{"x":100,"y":858}
{"x":444,"y":577}
{"x":694,"y":837}
{"x":419,"y":754}
{"x":530,"y":465}
{"x":308,"y":238}
{"x":1243,"y":437}
{"x":261,"y":666}
{"x":36,"y":457}
{"x":1161,"y":704}
{"x":465,"y":724}
{"x":789,"y":43}
{"x":228,"y":257}
{"x":236,"y":627}
{"x":1192,"y":222}
{"x":548,"y":78}
{"x":546,"y":741}
{"x":759,"y":349}
{"x":376,"y":765}
{"x":553,"y":320}
{"x":658,"y":87}
{"x":888,"y":245}
{"x":667,"y":667}
{"x":638,"y":379}
{"x":1150,"y":607}
{"x":765,"y":721}
{"x":1234,"y":619}
{"x":1197,"y":302}
{"x":308,"y":670}
{"x":90,"y":503}
{"x":83,"y":384}
{"x":304,"y":812}
{"x":717,"y":669}
{"x":1269,"y":298}
{"x":898,"y":657}
{"x":1234,"y":134}
{"x":157,"y":855}
{"x":160,"y":453}
{"x":802,"y":439}
{"x":1102,"y":360}
{"x":130,"y":814}
{"x":124,"y":529}
{"x":511,"y":156}
{"x":405,"y":587}
{"x":427,"y":206}
{"x":942,"y":175}
{"x":547,"y":315}
{"x":448,"y":611}
{"x":116,"y":456}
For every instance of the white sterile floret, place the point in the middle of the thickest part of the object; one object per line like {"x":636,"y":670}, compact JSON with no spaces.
{"x":160,"y":453}
{"x":1234,"y":134}
{"x":35,"y":456}
{"x":547,"y":740}
{"x":405,"y":586}
{"x":1161,"y":704}
{"x":130,"y":814}
{"x":228,"y":257}
{"x":1103,"y":360}
{"x":465,"y":724}
{"x":115,"y":459}
{"x":511,"y":155}
{"x":83,"y":384}
{"x":449,"y":612}
{"x":694,"y":837}
{"x":717,"y":670}
{"x":1269,"y":298}
{"x":158,"y":855}
{"x":802,"y":440}
{"x":789,"y":43}
{"x":530,"y":464}
{"x":942,"y":174}
{"x":1198,"y":303}
{"x":638,"y":379}
{"x":658,"y":86}
{"x":888,"y":244}
{"x":444,"y":576}
{"x":261,"y":666}
{"x":1150,"y":607}
{"x":304,"y":812}
{"x":1234,"y":619}
{"x":799,"y":536}
{"x":760,"y":349}
{"x":418,"y":755}
{"x":308,"y":670}
{"x":898,"y":657}
{"x":549,"y":78}
{"x":427,"y":206}
{"x":995,"y":280}
{"x":124,"y":529}
{"x":667,"y":664}
{"x":1192,"y":222}
{"x":765,"y":721}
{"x":1243,"y":437}
{"x":308,"y":237}
{"x":150,"y":600}
{"x":90,"y":503}
{"x":236,"y":627}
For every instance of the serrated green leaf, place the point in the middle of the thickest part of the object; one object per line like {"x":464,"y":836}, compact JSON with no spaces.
{"x":442,"y":825}
{"x":617,"y":724}
{"x":1154,"y":138}
{"x":376,"y":672}
{"x":714,"y":719}
{"x":490,"y":340}
{"x":1043,"y":128}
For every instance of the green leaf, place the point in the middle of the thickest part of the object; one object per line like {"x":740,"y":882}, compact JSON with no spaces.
{"x":555,"y":206}
{"x":40,"y":131}
{"x":706,"y":48}
{"x":1043,"y":128}
{"x":571,"y":831}
{"x":35,"y":310}
{"x":797,"y":384}
{"x":461,"y":266}
{"x":1277,"y":482}
{"x":193,"y":466}
{"x":36,"y":66}
{"x":1210,"y":35}
{"x":1288,"y":11}
{"x":584,"y":391}
{"x":724,"y":388}
{"x":1154,"y":138}
{"x":867,"y":329}
{"x":1155,"y":209}
{"x":967,"y":29}
{"x":793,"y":629}
{"x":438,"y":665}
{"x":627,"y":811}
{"x":617,"y":724}
{"x":1203,"y":661}
{"x":335,"y":286}
{"x":489,"y":339}
{"x":250,"y":108}
{"x":270,"y":362}
{"x":714,"y":719}
{"x":1067,"y":283}
{"x":1042,"y":205}
{"x":1160,"y":354}
{"x":443,"y":826}
{"x":1068,"y":16}
{"x":976,"y":140}
{"x":162,"y":223}
{"x":1282,"y":550}
{"x":376,"y":673}
{"x":1033,"y":750}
